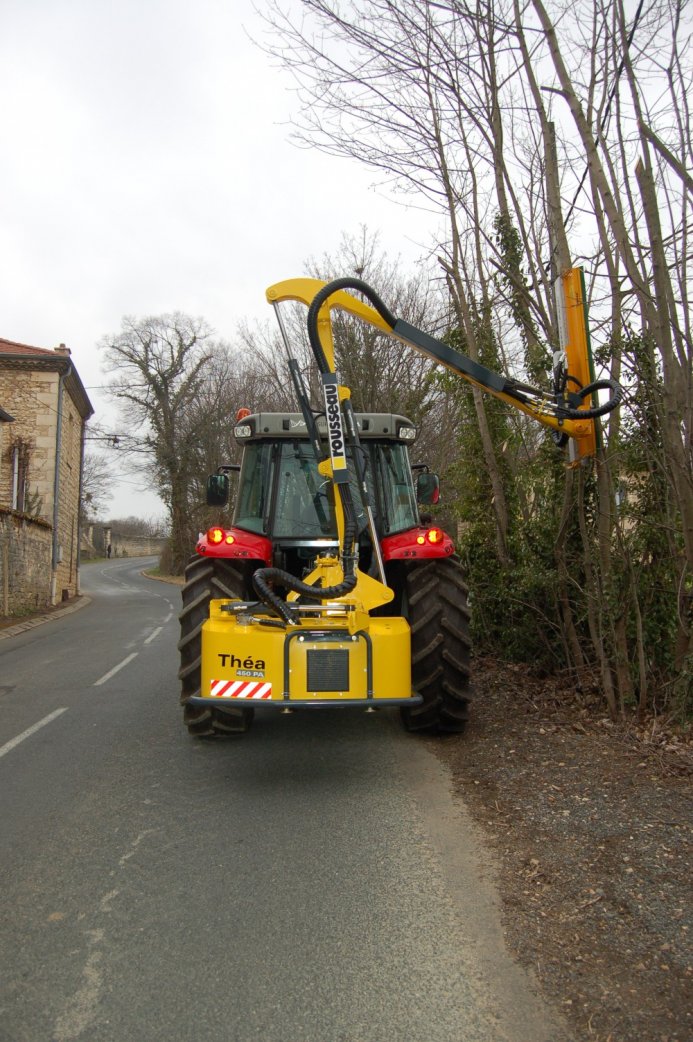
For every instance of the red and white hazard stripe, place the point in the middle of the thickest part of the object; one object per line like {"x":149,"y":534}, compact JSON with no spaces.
{"x":240,"y":689}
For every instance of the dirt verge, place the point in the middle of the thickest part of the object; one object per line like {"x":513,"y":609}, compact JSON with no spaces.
{"x":591,"y":824}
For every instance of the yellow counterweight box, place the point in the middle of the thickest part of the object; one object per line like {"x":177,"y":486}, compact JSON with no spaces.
{"x":343,"y":657}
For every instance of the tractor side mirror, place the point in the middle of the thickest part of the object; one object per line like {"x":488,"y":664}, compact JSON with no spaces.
{"x":217,"y":490}
{"x":427,"y":488}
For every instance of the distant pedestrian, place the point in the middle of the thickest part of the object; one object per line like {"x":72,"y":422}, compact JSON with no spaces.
{"x":108,"y":550}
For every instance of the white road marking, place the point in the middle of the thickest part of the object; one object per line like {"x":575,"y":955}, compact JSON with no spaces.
{"x":112,"y":672}
{"x":30,"y":730}
{"x":151,"y":636}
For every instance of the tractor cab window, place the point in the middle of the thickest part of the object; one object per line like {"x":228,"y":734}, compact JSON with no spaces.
{"x":398,"y":507}
{"x":255,"y":487}
{"x":304,"y":497}
{"x":281,"y":493}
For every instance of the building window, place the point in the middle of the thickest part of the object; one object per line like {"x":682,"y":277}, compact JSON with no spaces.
{"x":21,"y":452}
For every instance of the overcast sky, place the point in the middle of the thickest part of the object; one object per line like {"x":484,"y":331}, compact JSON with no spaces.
{"x":146,"y":168}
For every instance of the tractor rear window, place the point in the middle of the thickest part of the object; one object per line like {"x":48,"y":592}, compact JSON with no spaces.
{"x":302,"y":508}
{"x":282,"y":495}
{"x":304,"y":497}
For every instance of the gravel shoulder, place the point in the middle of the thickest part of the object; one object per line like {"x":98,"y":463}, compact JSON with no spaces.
{"x":591,"y":825}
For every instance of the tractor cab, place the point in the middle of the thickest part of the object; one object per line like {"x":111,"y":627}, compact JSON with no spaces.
{"x":282,"y":496}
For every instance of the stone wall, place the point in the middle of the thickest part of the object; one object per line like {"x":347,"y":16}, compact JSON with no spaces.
{"x":136,"y":545}
{"x":25,"y":563}
{"x":95,"y":540}
{"x":68,"y":500}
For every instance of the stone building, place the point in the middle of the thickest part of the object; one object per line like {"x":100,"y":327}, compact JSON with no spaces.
{"x":41,"y":455}
{"x":4,"y":418}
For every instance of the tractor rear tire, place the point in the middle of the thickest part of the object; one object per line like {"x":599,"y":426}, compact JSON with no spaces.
{"x":207,"y":578}
{"x":435,"y":597}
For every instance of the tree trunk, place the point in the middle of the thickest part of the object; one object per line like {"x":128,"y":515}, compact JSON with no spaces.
{"x":570,"y":635}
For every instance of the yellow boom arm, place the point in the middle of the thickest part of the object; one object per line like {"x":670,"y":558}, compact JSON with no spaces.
{"x":571,"y":412}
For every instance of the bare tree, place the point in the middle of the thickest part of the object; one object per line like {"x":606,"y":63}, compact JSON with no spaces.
{"x":159,"y":365}
{"x":396,"y":85}
{"x":233,"y":380}
{"x":637,"y":146}
{"x":96,"y":480}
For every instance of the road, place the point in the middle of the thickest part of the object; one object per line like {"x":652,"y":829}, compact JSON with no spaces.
{"x":313,"y":880}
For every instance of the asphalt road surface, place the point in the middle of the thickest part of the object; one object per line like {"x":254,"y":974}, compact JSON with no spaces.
{"x":313,"y":880}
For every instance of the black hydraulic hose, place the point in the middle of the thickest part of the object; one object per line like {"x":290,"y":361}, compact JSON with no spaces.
{"x":263,"y":579}
{"x":527,"y":395}
{"x":320,"y":298}
{"x":599,"y":410}
{"x":264,"y":576}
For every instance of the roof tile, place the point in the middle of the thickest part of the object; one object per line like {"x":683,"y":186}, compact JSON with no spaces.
{"x":10,"y":347}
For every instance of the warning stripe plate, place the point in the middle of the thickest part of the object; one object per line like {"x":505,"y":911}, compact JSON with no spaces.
{"x":239,"y":689}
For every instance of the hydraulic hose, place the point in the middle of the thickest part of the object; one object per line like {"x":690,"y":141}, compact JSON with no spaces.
{"x":264,"y":578}
{"x":599,"y":410}
{"x":320,"y":298}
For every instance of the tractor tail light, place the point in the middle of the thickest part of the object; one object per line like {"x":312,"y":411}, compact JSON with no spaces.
{"x":215,"y":536}
{"x":435,"y":535}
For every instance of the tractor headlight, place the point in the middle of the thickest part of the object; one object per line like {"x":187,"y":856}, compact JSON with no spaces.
{"x":243,"y":430}
{"x":407,"y":433}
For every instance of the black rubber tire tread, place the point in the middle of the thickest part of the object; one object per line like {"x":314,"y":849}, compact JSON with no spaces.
{"x":438,"y":614}
{"x":207,"y":578}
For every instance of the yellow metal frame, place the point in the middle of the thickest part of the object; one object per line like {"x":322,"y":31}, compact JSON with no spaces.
{"x":247,"y":653}
{"x":368,"y":593}
{"x":575,"y":343}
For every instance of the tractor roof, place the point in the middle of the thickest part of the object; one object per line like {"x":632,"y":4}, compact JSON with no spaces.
{"x":381,"y":425}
